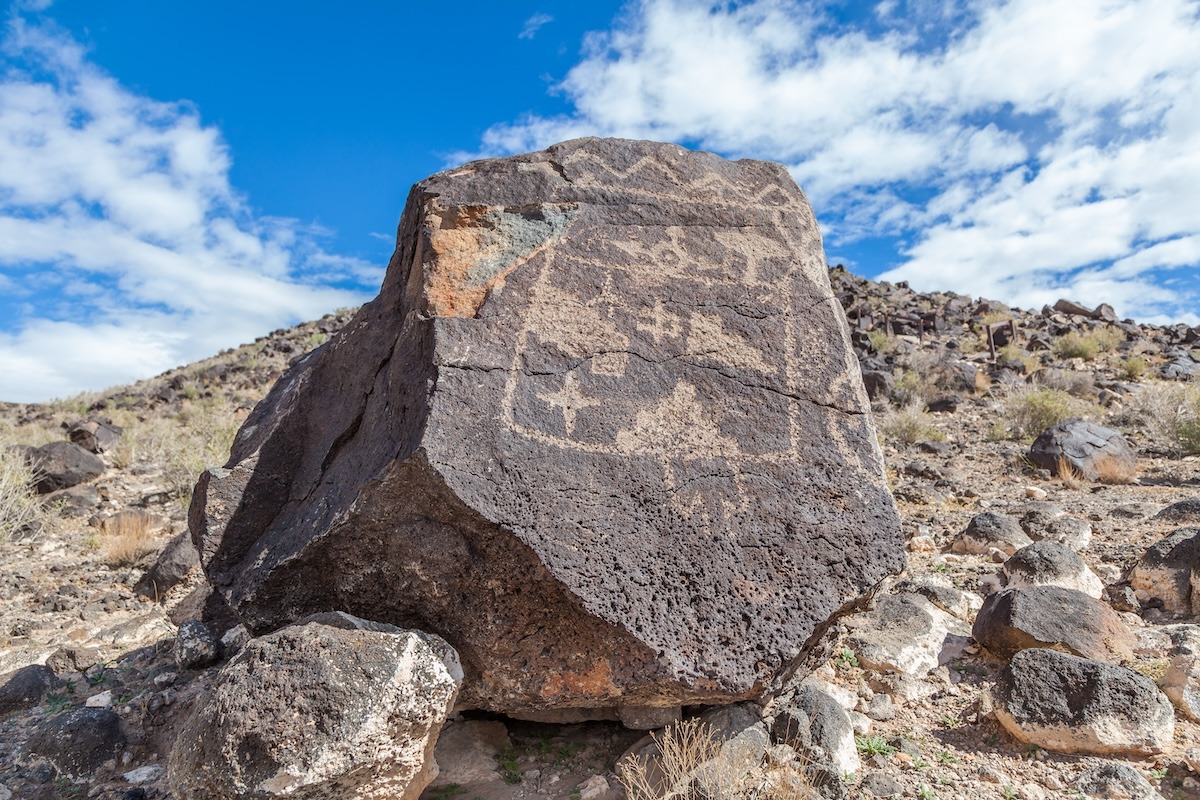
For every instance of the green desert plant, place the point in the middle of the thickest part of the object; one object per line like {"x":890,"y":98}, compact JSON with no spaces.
{"x":909,"y":425}
{"x":1170,"y":411}
{"x":1031,"y":410}
{"x":20,"y":507}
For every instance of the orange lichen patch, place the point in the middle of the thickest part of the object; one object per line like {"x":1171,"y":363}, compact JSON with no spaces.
{"x":596,"y":682}
{"x":459,"y":243}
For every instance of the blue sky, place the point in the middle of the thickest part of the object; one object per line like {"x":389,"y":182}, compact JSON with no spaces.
{"x":179,"y":178}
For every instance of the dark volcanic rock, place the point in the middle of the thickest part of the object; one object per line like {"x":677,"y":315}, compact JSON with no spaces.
{"x":173,"y":565}
{"x":79,"y":742}
{"x":1051,"y":616}
{"x":61,"y":465}
{"x":602,"y":430}
{"x":25,"y":688}
{"x":1094,"y":451}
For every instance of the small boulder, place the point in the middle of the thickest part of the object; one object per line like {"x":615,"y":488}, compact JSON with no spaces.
{"x":1095,"y":452}
{"x":1110,"y":780}
{"x":171,"y":568}
{"x":195,"y":646}
{"x":906,"y":633}
{"x":1181,"y":682}
{"x":318,"y":710}
{"x":78,"y":742}
{"x":25,"y":688}
{"x":989,"y":531}
{"x":1164,"y":573}
{"x":95,"y":435}
{"x":467,"y":750}
{"x":742,"y":741}
{"x":1048,"y":563}
{"x":1012,"y":620}
{"x":1074,"y":705}
{"x":61,"y":465}
{"x":1067,"y":531}
{"x":1185,"y":512}
{"x":819,"y":729}
{"x":1038,"y":515}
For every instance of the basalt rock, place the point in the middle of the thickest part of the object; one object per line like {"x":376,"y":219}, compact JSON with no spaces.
{"x":602,"y":430}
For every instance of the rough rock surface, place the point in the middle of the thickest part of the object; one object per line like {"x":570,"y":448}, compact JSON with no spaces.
{"x":602,"y":430}
{"x":1092,"y":450}
{"x":61,"y":465}
{"x":1054,"y":617}
{"x":906,"y":633}
{"x":1072,"y":705}
{"x":320,"y":710}
{"x":1164,"y":572}
{"x":25,"y":687}
{"x":171,"y":568}
{"x":989,"y":531}
{"x":1047,"y":563}
{"x":79,"y":742}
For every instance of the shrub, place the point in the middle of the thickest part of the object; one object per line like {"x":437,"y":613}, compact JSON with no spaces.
{"x":1032,"y":410}
{"x":1170,"y":412}
{"x":1131,"y":368}
{"x":1087,"y":344}
{"x":909,"y":425}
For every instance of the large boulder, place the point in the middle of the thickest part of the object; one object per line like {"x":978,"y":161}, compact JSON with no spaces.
{"x":334,"y":707}
{"x":1093,"y":451}
{"x":61,"y":465}
{"x":602,"y":430}
{"x":1055,"y":617}
{"x":1072,"y":705}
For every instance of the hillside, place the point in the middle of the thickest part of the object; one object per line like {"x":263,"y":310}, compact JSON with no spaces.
{"x":960,"y":388}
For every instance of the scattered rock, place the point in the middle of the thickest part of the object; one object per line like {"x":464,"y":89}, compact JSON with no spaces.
{"x":466,"y":752}
{"x":79,"y":742}
{"x":1113,"y":781}
{"x":95,"y":435}
{"x":1181,"y":683}
{"x":1164,"y":572}
{"x":989,"y":531}
{"x":648,"y":718}
{"x":171,"y":568}
{"x":61,"y":465}
{"x":1069,"y":704}
{"x":906,"y":633}
{"x":819,"y":730}
{"x":743,"y":741}
{"x":24,"y":688}
{"x":1051,"y":616}
{"x":573,"y":390}
{"x":1067,"y":531}
{"x":316,"y":711}
{"x":1095,"y":452}
{"x":195,"y":646}
{"x":1184,"y":512}
{"x":1047,"y":563}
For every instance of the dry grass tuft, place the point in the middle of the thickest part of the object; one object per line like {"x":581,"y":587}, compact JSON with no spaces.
{"x":689,"y":765}
{"x":1170,"y":411}
{"x":1114,"y":471}
{"x":126,"y":538}
{"x":1071,"y":478}
{"x":909,"y":425}
{"x":20,"y":507}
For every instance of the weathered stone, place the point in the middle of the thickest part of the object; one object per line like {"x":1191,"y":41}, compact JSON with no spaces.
{"x":1093,"y":451}
{"x":1110,"y":780}
{"x":25,"y":688}
{"x":195,"y":646}
{"x":906,"y":633}
{"x":819,"y":729}
{"x":78,"y":742}
{"x":466,"y":752}
{"x":989,"y":531}
{"x":1181,"y":683}
{"x":61,"y":465}
{"x":316,"y":711}
{"x":1048,"y":563}
{"x":1067,"y":531}
{"x":648,"y":718}
{"x":173,"y":565}
{"x":602,"y":430}
{"x":1038,"y":515}
{"x":1053,"y":617}
{"x":1164,"y":572}
{"x":95,"y":435}
{"x":1183,"y":512}
{"x":1072,"y":705}
{"x":742,"y":741}
{"x":1064,"y":306}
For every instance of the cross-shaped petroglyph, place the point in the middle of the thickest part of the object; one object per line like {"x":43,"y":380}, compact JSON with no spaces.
{"x":570,"y":400}
{"x":662,"y":323}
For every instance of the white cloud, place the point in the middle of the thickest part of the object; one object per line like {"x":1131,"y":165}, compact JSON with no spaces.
{"x":533,"y":25}
{"x":1021,"y":148}
{"x":124,"y":203}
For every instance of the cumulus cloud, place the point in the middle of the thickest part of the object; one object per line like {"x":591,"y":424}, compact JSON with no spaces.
{"x":124,"y":250}
{"x":1017,"y":149}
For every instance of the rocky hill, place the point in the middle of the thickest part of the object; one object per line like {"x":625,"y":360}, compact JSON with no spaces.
{"x":1041,"y":643}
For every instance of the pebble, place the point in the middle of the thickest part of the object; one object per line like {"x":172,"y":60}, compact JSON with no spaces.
{"x":1034,"y":493}
{"x":143,"y":775}
{"x":102,"y":700}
